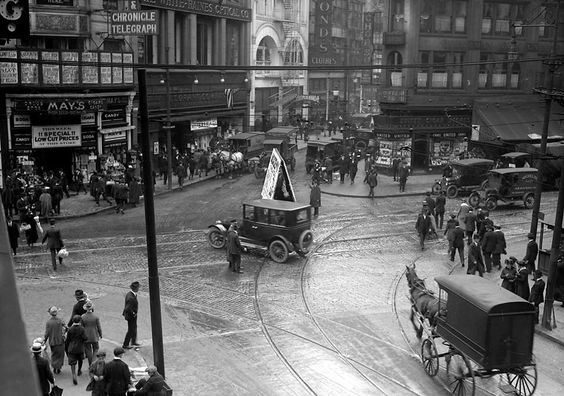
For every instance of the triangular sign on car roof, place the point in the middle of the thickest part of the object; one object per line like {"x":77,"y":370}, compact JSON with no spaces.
{"x":277,"y":183}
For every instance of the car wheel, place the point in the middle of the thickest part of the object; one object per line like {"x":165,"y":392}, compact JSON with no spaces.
{"x":474,"y":199}
{"x":452,"y":191}
{"x":216,"y":238}
{"x":529,"y":201}
{"x":436,"y":188}
{"x":305,"y":241}
{"x":491,"y":203}
{"x":278,"y":251}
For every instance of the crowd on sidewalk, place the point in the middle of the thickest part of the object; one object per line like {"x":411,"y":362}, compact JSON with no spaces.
{"x":79,"y":340}
{"x":485,"y":242}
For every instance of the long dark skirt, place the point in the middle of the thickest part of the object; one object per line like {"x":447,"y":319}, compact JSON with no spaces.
{"x":57,"y":356}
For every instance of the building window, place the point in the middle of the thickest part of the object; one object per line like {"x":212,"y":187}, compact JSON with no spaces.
{"x":398,"y":18}
{"x":497,"y":17}
{"x":434,"y":72}
{"x":203,"y":38}
{"x":484,"y":71}
{"x":443,"y":16}
{"x":263,"y":54}
{"x":495,"y":72}
{"x":294,"y":54}
{"x":396,"y":75}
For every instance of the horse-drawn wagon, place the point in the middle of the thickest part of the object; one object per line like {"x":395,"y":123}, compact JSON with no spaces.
{"x":486,"y":330}
{"x":250,"y":144}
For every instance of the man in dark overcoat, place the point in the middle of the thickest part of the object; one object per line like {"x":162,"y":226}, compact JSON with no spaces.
{"x":500,"y":247}
{"x":117,"y":375}
{"x":531,"y":252}
{"x":130,"y":314}
{"x":440,"y":204}
{"x":43,"y":370}
{"x":537,"y":293}
{"x":489,"y":242}
{"x":475,"y":260}
{"x":234,"y":247}
{"x":458,"y":244}
{"x":470,"y":222}
{"x":54,"y":243}
{"x":422,"y":226}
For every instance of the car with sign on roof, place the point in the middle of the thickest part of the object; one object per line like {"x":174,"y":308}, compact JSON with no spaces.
{"x":279,"y":227}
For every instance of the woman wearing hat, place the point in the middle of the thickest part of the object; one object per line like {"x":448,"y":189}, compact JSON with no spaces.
{"x":54,"y":335}
{"x":43,"y":371}
{"x":508,"y":274}
{"x":522,"y":281}
{"x":97,"y":384}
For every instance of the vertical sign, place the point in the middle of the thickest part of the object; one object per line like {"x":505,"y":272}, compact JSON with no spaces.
{"x":322,"y":50}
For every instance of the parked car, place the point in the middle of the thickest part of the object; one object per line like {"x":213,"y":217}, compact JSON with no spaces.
{"x":280,"y":227}
{"x":465,"y":176}
{"x":319,"y":150}
{"x":508,"y":185}
{"x":516,"y":159}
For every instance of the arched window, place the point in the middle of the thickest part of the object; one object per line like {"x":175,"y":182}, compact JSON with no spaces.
{"x":395,"y":59}
{"x":263,"y":53}
{"x":294,"y":54}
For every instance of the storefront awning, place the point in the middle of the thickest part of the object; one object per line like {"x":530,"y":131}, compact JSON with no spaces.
{"x":518,"y":122}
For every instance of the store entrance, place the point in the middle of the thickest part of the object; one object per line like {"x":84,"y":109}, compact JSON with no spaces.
{"x":54,"y":159}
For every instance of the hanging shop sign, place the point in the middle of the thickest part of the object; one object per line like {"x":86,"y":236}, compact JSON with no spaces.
{"x":135,"y":23}
{"x":49,"y":136}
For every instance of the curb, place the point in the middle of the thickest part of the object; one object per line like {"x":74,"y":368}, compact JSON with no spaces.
{"x":409,"y":194}
{"x":548,"y":336}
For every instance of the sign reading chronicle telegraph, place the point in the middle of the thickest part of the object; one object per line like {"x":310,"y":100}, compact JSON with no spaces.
{"x":45,"y":136}
{"x":135,"y":23}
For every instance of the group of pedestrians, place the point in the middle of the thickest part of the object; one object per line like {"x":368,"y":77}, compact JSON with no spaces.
{"x":79,"y":339}
{"x":124,"y":189}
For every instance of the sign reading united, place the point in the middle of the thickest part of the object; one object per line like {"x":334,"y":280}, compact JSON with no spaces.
{"x":135,"y":23}
{"x":203,"y":8}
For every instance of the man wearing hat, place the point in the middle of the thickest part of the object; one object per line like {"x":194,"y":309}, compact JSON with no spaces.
{"x":117,"y":375}
{"x":449,"y":230}
{"x":43,"y":371}
{"x":234,"y":248}
{"x":78,"y":307}
{"x":500,"y":247}
{"x":152,"y":385}
{"x":537,"y":291}
{"x":54,"y":330}
{"x":489,"y":242}
{"x":91,"y":324}
{"x":531,"y":252}
{"x":130,"y":315}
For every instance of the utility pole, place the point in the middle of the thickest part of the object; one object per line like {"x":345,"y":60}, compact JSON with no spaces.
{"x":168,"y":126}
{"x":547,"y":93}
{"x":148,"y":194}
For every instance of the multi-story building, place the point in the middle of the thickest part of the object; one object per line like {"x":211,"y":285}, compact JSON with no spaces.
{"x":200,"y":105}
{"x":441,"y":56}
{"x":280,"y":36}
{"x":341,"y":33}
{"x":66,"y":91}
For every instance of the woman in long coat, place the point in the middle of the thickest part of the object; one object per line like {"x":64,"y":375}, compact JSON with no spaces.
{"x":55,"y":329}
{"x":134,"y":191}
{"x":509,"y":275}
{"x":522,"y":281}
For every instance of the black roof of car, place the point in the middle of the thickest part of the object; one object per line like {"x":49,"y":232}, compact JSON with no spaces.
{"x":505,"y":171}
{"x":277,"y":204}
{"x":472,"y":162}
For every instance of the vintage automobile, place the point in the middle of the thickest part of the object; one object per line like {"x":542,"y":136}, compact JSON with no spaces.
{"x":515,"y":160}
{"x":279,"y":138}
{"x":466,"y":175}
{"x":280,"y":227}
{"x":508,"y":185}
{"x":319,"y":150}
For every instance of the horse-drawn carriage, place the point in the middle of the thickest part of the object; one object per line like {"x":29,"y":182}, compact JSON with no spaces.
{"x":485,"y":331}
{"x":250,"y":144}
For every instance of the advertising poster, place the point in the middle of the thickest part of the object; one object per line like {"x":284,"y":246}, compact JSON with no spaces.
{"x":49,"y":136}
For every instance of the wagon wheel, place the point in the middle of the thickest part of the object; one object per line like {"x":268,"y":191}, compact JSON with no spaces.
{"x":491,"y":203}
{"x":430,"y":357}
{"x":523,"y":379}
{"x":474,"y":199}
{"x":460,"y":375}
{"x":436,"y":188}
{"x":278,"y":251}
{"x":216,"y":238}
{"x":452,"y":191}
{"x":529,"y":201}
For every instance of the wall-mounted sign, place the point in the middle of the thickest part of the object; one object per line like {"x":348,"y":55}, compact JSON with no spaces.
{"x":113,"y":117}
{"x":21,"y":120}
{"x":88,"y":118}
{"x":321,"y":49}
{"x":66,"y":3}
{"x":47,"y":136}
{"x":203,"y":124}
{"x":67,"y":105}
{"x":203,"y":8}
{"x":135,"y":23}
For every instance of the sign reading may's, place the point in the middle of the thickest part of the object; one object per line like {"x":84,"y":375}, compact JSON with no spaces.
{"x":48,"y":136}
{"x":135,"y":23}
